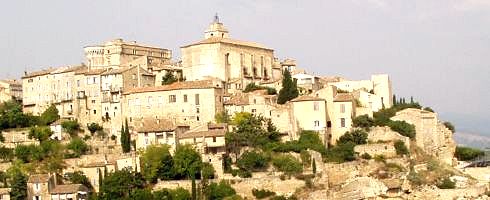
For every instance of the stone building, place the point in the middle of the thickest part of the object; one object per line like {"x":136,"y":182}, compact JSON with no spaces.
{"x":227,"y":59}
{"x":5,"y":193}
{"x":152,"y":131}
{"x":39,"y":186}
{"x":191,"y":103}
{"x":10,"y":89}
{"x":309,"y":113}
{"x":431,"y":134}
{"x":117,"y":53}
{"x":70,"y":191}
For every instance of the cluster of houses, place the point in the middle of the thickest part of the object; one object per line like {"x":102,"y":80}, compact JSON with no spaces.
{"x":123,"y":80}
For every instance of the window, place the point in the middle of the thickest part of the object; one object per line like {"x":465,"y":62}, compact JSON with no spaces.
{"x":329,"y":124}
{"x":197,"y":99}
{"x":316,"y":106}
{"x":197,"y":110}
{"x":95,"y":112}
{"x":342,"y":122}
{"x":197,"y":118}
{"x":150,"y":101}
{"x":133,"y":76}
{"x":185,"y":98}
{"x":214,"y":138}
{"x":78,"y":83}
{"x":342,"y":108}
{"x":317,"y":123}
{"x":172,"y":98}
{"x":254,"y":110}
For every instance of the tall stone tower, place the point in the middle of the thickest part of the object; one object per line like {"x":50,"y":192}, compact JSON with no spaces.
{"x":216,"y":29}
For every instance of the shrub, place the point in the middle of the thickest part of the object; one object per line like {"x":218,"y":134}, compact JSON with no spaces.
{"x":366,"y":156}
{"x":71,"y":127}
{"x":446,"y":183}
{"x":357,"y":136}
{"x":363,"y":121}
{"x":287,"y":164}
{"x":242,"y":173}
{"x":252,"y":161}
{"x":403,"y":128}
{"x":220,"y":191}
{"x":207,"y":171}
{"x":305,"y":158}
{"x":94,"y":127}
{"x":41,"y":133}
{"x":50,"y":115}
{"x":78,"y":147}
{"x":380,"y":158}
{"x":428,"y":109}
{"x":252,"y":87}
{"x":450,"y":126}
{"x":262,"y":193}
{"x":340,"y":153}
{"x":467,"y":153}
{"x":400,"y":148}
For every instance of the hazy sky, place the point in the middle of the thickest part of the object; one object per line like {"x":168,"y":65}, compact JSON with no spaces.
{"x":435,"y":50}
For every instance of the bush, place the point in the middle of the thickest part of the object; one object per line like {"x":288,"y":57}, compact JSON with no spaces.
{"x":41,"y":133}
{"x":340,"y":153}
{"x":446,"y":183}
{"x":450,"y":126}
{"x":78,"y":147}
{"x":175,"y":194}
{"x":357,"y":136}
{"x":261,"y":194}
{"x":380,"y":158}
{"x":50,"y":115}
{"x":252,"y":87}
{"x":305,"y":158}
{"x":366,"y":156}
{"x":400,"y":148}
{"x":219,"y":191}
{"x":242,"y":173}
{"x":252,"y":161}
{"x":363,"y":121}
{"x":467,"y":153}
{"x":207,"y":171}
{"x":403,"y":128}
{"x":287,"y":164}
{"x":71,"y":127}
{"x":94,"y":127}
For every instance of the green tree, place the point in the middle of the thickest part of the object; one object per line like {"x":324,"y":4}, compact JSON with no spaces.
{"x":143,"y":194}
{"x":357,"y":136}
{"x":175,"y":194}
{"x":125,"y":138}
{"x":313,"y":166}
{"x":207,"y":171}
{"x":71,"y":127}
{"x":6,"y":154}
{"x":187,"y":161}
{"x":18,"y":186}
{"x":289,"y":88}
{"x":252,"y":161}
{"x":40,"y":133}
{"x":287,"y":164}
{"x":450,"y":126}
{"x":467,"y":153}
{"x":78,"y":177}
{"x":403,"y":128}
{"x":157,"y":162}
{"x":219,"y":190}
{"x":120,"y":184}
{"x":50,"y":115}
{"x":94,"y":127}
{"x":78,"y":147}
{"x":23,"y":152}
{"x":400,"y":148}
{"x":363,"y":121}
{"x":169,"y":78}
{"x":222,"y":117}
{"x":341,"y":153}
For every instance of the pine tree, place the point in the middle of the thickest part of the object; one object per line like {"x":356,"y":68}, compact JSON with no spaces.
{"x":289,"y":89}
{"x":19,"y":187}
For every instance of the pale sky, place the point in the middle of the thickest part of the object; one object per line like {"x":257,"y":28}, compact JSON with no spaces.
{"x":435,"y":50}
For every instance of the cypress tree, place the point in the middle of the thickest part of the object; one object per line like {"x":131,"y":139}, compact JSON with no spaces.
{"x":313,"y":166}
{"x":100,"y":178}
{"x":19,"y":187}
{"x":394,"y":100}
{"x":289,"y":88}
{"x":411,"y":100}
{"x":194,"y":195}
{"x":125,"y":138}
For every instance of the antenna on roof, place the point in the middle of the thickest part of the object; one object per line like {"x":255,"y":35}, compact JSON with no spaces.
{"x":216,"y":18}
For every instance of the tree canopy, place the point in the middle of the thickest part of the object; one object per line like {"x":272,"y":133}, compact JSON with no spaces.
{"x":289,"y":88}
{"x":187,"y":162}
{"x":157,"y":162}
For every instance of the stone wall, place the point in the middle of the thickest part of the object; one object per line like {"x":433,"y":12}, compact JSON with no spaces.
{"x":384,"y":133}
{"x":385,"y":149}
{"x":431,"y":135}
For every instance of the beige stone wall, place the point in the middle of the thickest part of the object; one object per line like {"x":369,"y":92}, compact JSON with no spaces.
{"x":40,"y":189}
{"x":431,"y":135}
{"x":385,"y":133}
{"x":310,"y":115}
{"x":143,"y":140}
{"x":157,"y":105}
{"x":385,"y":149}
{"x":341,"y":111}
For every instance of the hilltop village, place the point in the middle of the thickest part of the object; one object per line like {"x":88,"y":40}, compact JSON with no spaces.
{"x":227,"y":120}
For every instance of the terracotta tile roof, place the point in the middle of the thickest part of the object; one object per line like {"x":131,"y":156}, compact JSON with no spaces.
{"x":217,"y":126}
{"x":12,"y":82}
{"x":213,"y":40}
{"x":343,"y":97}
{"x":307,"y":98}
{"x":175,"y":86}
{"x":72,"y":69}
{"x":155,"y":125}
{"x":208,"y":133}
{"x":86,"y":71}
{"x":97,"y":164}
{"x":69,"y":189}
{"x":237,"y":100}
{"x":124,"y":69}
{"x":39,"y":73}
{"x":39,"y":178}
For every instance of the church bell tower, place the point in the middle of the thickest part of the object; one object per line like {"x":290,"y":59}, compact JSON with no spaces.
{"x":216,"y":29}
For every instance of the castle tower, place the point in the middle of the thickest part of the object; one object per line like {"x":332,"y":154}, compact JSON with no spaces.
{"x":216,"y":29}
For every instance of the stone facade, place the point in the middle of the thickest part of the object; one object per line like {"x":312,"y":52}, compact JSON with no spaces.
{"x":431,"y":134}
{"x":10,"y":89}
{"x":385,"y":149}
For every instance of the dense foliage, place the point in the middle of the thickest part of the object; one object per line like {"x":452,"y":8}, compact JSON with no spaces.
{"x":467,"y":153}
{"x":19,"y":186}
{"x":450,"y":126}
{"x":400,"y":148}
{"x":78,"y":147}
{"x":40,"y":133}
{"x":252,"y":87}
{"x":187,"y":162}
{"x":357,"y":136}
{"x":120,"y":184}
{"x":252,"y":161}
{"x":287,"y":164}
{"x":219,"y":190}
{"x":125,"y":138}
{"x":157,"y":162}
{"x":170,"y":78}
{"x":262,"y":194}
{"x":169,"y":194}
{"x":79,"y":178}
{"x":50,"y":115}
{"x":403,"y":128}
{"x":363,"y":121}
{"x":289,"y":88}
{"x":71,"y":127}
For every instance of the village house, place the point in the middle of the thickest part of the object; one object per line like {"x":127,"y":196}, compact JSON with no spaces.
{"x":39,"y":186}
{"x":157,"y":131}
{"x":191,"y":103}
{"x":5,"y":193}
{"x":309,"y":113}
{"x":10,"y":89}
{"x":70,"y":192}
